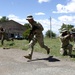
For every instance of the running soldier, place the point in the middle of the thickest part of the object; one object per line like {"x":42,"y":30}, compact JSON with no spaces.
{"x":37,"y":36}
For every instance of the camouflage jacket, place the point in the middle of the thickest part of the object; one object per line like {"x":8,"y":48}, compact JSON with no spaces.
{"x":37,"y":27}
{"x":65,"y":40}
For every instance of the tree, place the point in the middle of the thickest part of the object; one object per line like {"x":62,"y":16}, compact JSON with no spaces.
{"x":27,"y":25}
{"x":4,"y":19}
{"x":67,"y":26}
{"x":26,"y":33}
{"x":50,"y":32}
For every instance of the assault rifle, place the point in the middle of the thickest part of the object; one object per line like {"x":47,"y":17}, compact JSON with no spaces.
{"x":32,"y":32}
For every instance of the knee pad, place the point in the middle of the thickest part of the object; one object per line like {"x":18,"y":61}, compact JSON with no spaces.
{"x":61,"y":51}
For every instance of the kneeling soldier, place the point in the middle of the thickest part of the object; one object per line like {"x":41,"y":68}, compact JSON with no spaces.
{"x":65,"y":38}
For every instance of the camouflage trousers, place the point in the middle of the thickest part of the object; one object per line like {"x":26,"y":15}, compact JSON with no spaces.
{"x":38,"y":39}
{"x":67,"y":50}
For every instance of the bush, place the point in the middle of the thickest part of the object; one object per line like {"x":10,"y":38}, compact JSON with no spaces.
{"x":50,"y":34}
{"x":26,"y":34}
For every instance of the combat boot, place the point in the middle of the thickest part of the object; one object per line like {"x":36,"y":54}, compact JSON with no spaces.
{"x":28,"y":56}
{"x":48,"y":51}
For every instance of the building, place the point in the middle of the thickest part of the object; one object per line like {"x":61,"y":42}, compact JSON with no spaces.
{"x":13,"y":29}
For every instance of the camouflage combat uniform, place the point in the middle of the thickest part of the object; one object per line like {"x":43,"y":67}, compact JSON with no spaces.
{"x":66,"y":47}
{"x":38,"y":37}
{"x":2,"y":33}
{"x":73,"y":37}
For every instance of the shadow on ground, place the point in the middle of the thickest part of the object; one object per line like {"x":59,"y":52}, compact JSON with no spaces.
{"x":50,"y":59}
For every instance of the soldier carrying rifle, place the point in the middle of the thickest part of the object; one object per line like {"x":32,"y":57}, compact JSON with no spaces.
{"x":65,"y":38}
{"x":37,"y":36}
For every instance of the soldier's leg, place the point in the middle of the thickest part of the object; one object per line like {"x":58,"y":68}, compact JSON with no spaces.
{"x":2,"y":40}
{"x":41,"y":43}
{"x":31,"y":44}
{"x":63,"y":51}
{"x":74,"y":46}
{"x":70,"y":49}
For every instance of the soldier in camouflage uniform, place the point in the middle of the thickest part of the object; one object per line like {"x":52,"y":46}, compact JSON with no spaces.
{"x":4,"y":36}
{"x":65,"y":38}
{"x":2,"y":33}
{"x":73,"y":37}
{"x":37,"y":36}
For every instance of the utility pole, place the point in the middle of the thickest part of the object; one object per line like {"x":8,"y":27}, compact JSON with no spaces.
{"x":50,"y":29}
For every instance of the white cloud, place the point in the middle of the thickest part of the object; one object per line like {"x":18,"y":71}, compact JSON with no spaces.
{"x":55,"y":25}
{"x":45,"y":23}
{"x":68,"y":8}
{"x":40,"y":13}
{"x":40,"y":1}
{"x":67,"y":19}
{"x":17,"y":19}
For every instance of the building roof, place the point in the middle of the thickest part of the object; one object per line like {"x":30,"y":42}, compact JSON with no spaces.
{"x":12,"y":26}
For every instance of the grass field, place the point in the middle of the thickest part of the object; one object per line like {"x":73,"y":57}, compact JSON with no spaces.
{"x":53,"y":44}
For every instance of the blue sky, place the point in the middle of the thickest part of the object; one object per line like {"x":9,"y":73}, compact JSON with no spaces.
{"x":60,"y":11}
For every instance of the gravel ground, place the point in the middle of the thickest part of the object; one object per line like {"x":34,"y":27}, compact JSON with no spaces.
{"x":13,"y":62}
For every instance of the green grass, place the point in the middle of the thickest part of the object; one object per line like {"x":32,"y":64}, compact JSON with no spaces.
{"x":19,"y":44}
{"x":53,"y":44}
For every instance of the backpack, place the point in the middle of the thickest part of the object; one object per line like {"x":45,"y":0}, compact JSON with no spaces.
{"x":40,"y":26}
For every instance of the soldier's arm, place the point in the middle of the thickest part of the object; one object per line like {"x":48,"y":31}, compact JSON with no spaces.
{"x":71,"y":38}
{"x":64,"y":37}
{"x":2,"y":32}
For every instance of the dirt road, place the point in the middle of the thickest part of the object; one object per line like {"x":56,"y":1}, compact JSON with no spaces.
{"x":13,"y":62}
